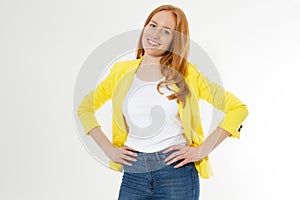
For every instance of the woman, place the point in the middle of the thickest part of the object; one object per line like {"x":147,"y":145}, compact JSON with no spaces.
{"x":162,"y":160}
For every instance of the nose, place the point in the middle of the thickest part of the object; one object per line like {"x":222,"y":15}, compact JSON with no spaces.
{"x":155,"y":33}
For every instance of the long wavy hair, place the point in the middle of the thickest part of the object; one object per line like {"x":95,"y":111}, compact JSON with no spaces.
{"x":174,"y":61}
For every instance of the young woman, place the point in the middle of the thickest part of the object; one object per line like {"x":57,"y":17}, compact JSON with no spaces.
{"x":161,"y":160}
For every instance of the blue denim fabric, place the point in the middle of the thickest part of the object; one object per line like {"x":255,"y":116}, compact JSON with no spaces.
{"x":151,"y":178}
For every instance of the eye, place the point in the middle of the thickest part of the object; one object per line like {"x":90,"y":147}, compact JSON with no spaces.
{"x":152,"y":25}
{"x":166,"y":32}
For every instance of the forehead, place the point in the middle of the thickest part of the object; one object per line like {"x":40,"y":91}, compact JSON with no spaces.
{"x":165,"y":18}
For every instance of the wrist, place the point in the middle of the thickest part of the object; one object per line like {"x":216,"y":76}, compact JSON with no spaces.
{"x":108,"y":149}
{"x":200,"y":152}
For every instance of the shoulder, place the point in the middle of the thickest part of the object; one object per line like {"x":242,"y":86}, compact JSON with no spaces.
{"x":123,"y":66}
{"x":192,"y":71}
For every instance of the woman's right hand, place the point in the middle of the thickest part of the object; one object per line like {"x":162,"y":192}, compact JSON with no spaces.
{"x":122,"y":155}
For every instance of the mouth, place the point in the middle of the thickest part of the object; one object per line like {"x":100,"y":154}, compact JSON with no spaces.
{"x":152,"y":43}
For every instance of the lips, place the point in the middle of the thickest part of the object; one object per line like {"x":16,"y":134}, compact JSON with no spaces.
{"x":152,"y":43}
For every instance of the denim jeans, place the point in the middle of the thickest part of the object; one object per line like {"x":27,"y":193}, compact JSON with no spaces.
{"x":150,"y":178}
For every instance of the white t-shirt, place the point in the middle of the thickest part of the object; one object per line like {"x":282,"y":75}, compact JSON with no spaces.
{"x":152,"y":119}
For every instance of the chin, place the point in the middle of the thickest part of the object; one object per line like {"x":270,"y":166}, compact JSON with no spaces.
{"x":155,"y":52}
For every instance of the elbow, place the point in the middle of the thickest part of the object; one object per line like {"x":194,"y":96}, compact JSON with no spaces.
{"x":245,"y":110}
{"x":85,"y":106}
{"x":242,"y":112}
{"x":80,"y":109}
{"x":83,"y":110}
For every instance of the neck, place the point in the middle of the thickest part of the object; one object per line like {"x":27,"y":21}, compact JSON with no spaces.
{"x":148,"y":59}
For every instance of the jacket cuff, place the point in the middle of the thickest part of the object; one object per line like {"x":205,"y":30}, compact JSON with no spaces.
{"x":89,"y":122}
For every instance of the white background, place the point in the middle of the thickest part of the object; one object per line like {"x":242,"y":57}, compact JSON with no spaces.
{"x":255,"y":46}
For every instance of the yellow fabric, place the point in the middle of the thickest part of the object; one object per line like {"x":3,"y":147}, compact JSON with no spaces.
{"x":116,"y":85}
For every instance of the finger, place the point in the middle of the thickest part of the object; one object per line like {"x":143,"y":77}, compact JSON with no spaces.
{"x":129,"y":148}
{"x":130,"y":151}
{"x":180,"y":164}
{"x":175,"y":159}
{"x":124,"y":162}
{"x":128,"y":158}
{"x":172,"y":148}
{"x":181,"y":149}
{"x":173,"y":155}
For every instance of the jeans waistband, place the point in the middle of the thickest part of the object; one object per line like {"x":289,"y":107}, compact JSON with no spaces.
{"x":147,"y":162}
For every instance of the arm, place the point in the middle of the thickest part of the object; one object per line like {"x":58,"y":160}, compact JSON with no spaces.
{"x":86,"y":113}
{"x":234,"y":109}
{"x":235,"y":113}
{"x":94,"y":100}
{"x":211,"y":142}
{"x":192,"y":154}
{"x":121,"y":155}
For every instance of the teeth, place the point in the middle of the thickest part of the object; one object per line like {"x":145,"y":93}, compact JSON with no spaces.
{"x":153,"y":43}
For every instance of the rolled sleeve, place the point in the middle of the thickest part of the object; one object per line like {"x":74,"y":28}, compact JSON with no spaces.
{"x":234,"y":109}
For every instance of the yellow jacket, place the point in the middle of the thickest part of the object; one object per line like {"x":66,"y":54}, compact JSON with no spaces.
{"x":116,"y":85}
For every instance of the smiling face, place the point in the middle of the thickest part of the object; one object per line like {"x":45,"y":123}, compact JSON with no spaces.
{"x":158,"y":33}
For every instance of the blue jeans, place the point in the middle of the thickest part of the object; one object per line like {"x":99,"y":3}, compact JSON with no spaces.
{"x":150,"y":178}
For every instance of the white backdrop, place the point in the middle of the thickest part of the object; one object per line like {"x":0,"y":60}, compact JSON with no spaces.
{"x":255,"y":46}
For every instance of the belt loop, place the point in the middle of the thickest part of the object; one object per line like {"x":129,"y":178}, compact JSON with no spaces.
{"x":158,"y":157}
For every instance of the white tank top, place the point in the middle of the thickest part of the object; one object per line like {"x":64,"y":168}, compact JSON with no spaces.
{"x":151,"y":118}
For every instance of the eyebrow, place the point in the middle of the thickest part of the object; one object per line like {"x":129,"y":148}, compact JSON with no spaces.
{"x":157,"y":23}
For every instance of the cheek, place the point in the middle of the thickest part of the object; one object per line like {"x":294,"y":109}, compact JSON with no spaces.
{"x":144,"y":39}
{"x":146,"y":35}
{"x":168,"y":42}
{"x":147,"y":32}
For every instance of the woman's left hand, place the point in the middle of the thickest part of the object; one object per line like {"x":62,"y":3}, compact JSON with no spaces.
{"x":183,"y":152}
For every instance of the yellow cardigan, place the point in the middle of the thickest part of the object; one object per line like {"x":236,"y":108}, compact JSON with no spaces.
{"x":116,"y":85}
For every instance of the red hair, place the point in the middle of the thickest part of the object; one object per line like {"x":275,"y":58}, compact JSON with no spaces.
{"x":174,"y":62}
